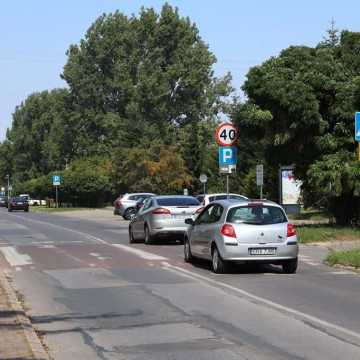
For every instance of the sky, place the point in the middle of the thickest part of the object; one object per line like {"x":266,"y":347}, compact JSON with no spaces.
{"x":36,"y":34}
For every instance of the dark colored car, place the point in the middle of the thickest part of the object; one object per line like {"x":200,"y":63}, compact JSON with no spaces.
{"x":3,"y":201}
{"x":18,"y":203}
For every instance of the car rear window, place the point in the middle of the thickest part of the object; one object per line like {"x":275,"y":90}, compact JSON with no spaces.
{"x":257,"y":215}
{"x":178,"y":201}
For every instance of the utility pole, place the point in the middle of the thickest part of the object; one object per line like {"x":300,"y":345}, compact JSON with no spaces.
{"x":8,"y":186}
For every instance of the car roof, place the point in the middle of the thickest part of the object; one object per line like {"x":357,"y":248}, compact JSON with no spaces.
{"x":173,"y":196}
{"x":234,"y":202}
{"x":222,"y":194}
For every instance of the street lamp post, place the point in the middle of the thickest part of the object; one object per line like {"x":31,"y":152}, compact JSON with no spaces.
{"x":8,"y":186}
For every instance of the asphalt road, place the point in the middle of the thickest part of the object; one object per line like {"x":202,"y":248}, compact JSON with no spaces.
{"x":92,"y":295}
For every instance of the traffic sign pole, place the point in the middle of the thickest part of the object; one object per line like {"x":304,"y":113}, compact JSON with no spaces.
{"x":226,"y":136}
{"x":56,"y":196}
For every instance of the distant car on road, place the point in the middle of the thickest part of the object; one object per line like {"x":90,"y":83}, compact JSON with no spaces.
{"x":3,"y":201}
{"x":208,"y":198}
{"x":124,"y":205}
{"x":163,"y":216}
{"x":237,"y":231}
{"x":18,"y":203}
{"x":32,"y":202}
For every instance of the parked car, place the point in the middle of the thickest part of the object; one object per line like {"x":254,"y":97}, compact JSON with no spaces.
{"x":3,"y":201}
{"x":124,"y":205}
{"x":32,"y":202}
{"x":237,"y":231}
{"x":163,"y":216}
{"x":18,"y":203}
{"x":208,"y":198}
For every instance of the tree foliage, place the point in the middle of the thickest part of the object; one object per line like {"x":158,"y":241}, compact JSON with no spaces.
{"x":312,"y":94}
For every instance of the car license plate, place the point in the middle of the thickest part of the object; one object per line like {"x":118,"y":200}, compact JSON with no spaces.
{"x":262,"y":251}
{"x":19,"y":203}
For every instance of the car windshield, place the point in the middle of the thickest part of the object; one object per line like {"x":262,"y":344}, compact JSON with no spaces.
{"x":257,"y":215}
{"x":18,"y":199}
{"x":178,"y":201}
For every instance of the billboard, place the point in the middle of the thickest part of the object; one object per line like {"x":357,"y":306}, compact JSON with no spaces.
{"x":290,"y":187}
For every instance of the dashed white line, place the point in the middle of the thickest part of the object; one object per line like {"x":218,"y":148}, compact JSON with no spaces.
{"x":141,"y":253}
{"x":14,"y":258}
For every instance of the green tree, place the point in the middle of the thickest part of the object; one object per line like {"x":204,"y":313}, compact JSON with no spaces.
{"x":135,"y":78}
{"x":312,"y":94}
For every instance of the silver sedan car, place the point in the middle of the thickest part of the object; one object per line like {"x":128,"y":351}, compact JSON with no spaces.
{"x":246,"y":231}
{"x":163,"y":216}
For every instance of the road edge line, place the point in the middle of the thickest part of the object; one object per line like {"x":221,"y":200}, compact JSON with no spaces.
{"x":306,"y":318}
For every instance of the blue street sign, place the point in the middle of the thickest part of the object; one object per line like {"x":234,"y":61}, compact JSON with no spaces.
{"x":227,"y":155}
{"x":56,"y":180}
{"x":357,"y":126}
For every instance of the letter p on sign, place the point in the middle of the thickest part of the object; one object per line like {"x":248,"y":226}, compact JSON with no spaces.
{"x":227,"y":155}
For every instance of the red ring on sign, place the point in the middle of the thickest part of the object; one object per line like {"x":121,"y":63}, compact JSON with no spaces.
{"x":218,"y":139}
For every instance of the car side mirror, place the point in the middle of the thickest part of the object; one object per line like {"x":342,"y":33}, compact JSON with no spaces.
{"x":190,"y":222}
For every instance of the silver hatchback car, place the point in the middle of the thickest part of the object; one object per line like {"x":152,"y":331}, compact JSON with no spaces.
{"x":246,"y":231}
{"x":163,"y":216}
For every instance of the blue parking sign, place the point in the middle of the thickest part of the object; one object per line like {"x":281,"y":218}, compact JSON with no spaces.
{"x":227,"y":155}
{"x":56,"y":180}
{"x":357,"y":126}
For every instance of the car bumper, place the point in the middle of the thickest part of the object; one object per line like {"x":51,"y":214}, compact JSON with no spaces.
{"x":241,"y":252}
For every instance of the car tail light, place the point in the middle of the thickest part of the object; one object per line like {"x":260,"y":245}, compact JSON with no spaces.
{"x":199,"y":210}
{"x":161,"y":211}
{"x":228,"y":230}
{"x":290,"y":230}
{"x":118,"y":204}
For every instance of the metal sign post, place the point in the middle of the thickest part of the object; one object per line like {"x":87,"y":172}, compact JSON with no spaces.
{"x":226,"y":136}
{"x":357,"y":131}
{"x":203,"y":179}
{"x":260,"y":178}
{"x":56,"y":182}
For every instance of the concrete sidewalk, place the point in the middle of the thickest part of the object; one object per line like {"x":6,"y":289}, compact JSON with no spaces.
{"x":18,"y":339}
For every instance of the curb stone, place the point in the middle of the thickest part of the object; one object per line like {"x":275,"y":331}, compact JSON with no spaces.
{"x":35,"y":345}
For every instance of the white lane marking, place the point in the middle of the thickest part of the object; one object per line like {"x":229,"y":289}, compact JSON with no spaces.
{"x":18,"y":268}
{"x":88,"y":236}
{"x":298,"y":314}
{"x":311,"y":263}
{"x":94,"y":254}
{"x":341,"y":273}
{"x":14,"y":258}
{"x":141,"y":253}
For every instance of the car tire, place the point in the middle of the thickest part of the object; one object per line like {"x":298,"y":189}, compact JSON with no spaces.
{"x":149,"y":239}
{"x":9,"y":210}
{"x":131,"y":236}
{"x":188,"y":256}
{"x":218,"y":264}
{"x":129,"y":213}
{"x":290,"y":266}
{"x":26,"y":210}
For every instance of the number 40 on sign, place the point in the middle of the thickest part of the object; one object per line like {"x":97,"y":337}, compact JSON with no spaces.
{"x":226,"y":134}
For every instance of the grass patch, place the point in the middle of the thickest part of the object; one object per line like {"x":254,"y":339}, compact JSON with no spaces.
{"x":315,"y":215}
{"x":39,"y":209}
{"x":321,"y":233}
{"x":346,"y":258}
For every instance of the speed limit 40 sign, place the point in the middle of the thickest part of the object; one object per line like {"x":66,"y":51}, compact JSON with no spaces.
{"x":226,"y":134}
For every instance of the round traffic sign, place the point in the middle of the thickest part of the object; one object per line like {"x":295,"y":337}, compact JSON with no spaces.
{"x":203,"y":178}
{"x":226,"y":134}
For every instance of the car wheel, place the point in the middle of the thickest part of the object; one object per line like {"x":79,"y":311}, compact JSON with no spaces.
{"x":218,"y":264}
{"x":131,"y":236}
{"x":148,"y":238}
{"x":129,"y":213}
{"x":26,"y":210}
{"x":188,"y":256}
{"x":290,"y":266}
{"x":9,"y":210}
